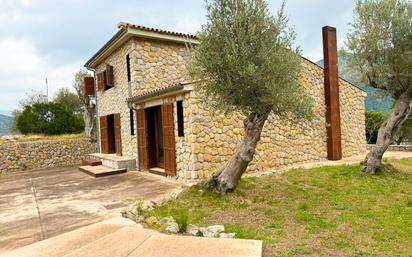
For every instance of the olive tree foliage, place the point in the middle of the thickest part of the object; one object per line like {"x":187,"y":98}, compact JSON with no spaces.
{"x":87,"y":103}
{"x":381,"y":50}
{"x":70,"y":100}
{"x":246,"y":63}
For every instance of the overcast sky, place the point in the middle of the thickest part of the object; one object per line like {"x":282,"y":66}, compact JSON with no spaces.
{"x":54,"y":38}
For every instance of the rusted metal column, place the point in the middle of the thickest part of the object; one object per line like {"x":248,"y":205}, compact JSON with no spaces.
{"x":333,"y":121}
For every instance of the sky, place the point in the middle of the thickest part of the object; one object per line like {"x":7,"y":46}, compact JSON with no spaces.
{"x":53,"y":39}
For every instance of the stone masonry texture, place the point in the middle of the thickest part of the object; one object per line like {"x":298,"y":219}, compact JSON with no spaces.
{"x":21,"y":156}
{"x":210,"y":137}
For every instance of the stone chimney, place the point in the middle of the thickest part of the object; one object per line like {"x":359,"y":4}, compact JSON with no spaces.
{"x":333,"y":122}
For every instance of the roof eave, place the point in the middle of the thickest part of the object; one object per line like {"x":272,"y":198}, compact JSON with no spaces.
{"x":91,"y":63}
{"x":162,"y":93}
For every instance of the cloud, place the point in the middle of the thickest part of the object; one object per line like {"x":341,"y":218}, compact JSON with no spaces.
{"x":40,"y":38}
{"x":23,"y":70}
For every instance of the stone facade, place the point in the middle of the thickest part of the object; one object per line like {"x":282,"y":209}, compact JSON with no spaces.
{"x":154,"y":64}
{"x":210,"y":138}
{"x":21,"y":156}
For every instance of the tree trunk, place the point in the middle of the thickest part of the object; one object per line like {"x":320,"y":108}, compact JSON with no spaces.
{"x":388,"y":131}
{"x":228,"y":176}
{"x":88,"y":117}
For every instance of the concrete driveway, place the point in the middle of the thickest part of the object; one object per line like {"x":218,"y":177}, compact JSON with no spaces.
{"x":42,"y":204}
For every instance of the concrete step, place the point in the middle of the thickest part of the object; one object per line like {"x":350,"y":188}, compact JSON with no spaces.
{"x":101,"y":171}
{"x":120,"y":243}
{"x":160,"y":245}
{"x":66,"y":243}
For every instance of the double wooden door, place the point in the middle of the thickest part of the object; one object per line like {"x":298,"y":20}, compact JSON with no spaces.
{"x":156,"y":142}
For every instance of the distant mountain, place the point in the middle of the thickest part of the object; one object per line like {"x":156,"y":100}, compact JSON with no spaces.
{"x":6,"y":112}
{"x":6,"y":124}
{"x":375,"y":100}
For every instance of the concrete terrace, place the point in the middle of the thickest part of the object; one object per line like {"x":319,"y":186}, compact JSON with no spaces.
{"x":42,"y":204}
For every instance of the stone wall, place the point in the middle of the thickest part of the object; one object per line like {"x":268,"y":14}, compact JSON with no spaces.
{"x":20,"y":156}
{"x":154,"y":65}
{"x":211,"y":137}
{"x":395,"y":148}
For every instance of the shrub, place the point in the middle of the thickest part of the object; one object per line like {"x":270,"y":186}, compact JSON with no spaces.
{"x":374,"y":121}
{"x":49,"y":119}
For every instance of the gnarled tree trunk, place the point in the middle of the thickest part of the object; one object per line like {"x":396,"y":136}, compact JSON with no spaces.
{"x":388,"y":131}
{"x":88,"y":116}
{"x":228,"y":176}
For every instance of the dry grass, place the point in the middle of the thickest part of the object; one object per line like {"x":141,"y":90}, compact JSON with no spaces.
{"x":30,"y":138}
{"x":328,"y":211}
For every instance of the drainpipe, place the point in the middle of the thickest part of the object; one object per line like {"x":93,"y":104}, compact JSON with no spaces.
{"x":131,"y":106}
{"x":97,"y":109}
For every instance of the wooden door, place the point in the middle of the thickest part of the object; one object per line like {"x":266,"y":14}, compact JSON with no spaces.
{"x":142,"y":139}
{"x":104,"y":140}
{"x":169,"y":139}
{"x":118,"y":134}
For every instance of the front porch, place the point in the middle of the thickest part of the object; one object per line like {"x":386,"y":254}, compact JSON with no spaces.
{"x":114,"y":161}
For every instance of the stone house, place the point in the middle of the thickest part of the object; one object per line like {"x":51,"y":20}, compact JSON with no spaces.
{"x":150,"y":114}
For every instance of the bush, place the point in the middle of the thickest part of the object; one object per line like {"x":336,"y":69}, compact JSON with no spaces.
{"x":405,"y":134}
{"x":374,"y":121}
{"x":49,"y":119}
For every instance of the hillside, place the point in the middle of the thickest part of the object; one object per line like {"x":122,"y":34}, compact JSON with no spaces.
{"x":6,"y":124}
{"x":375,"y":100}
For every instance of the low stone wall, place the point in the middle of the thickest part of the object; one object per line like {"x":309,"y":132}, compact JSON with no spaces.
{"x":398,"y":148}
{"x":20,"y":156}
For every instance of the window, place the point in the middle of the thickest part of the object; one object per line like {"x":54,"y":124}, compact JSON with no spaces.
{"x":129,"y":75}
{"x":131,"y":123}
{"x":180,"y":117}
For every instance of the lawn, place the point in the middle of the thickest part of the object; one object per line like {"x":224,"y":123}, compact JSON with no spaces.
{"x":328,"y":211}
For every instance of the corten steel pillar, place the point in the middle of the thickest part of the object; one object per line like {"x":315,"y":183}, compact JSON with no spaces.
{"x":333,"y":122}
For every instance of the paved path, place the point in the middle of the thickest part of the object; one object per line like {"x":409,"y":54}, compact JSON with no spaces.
{"x":42,"y":204}
{"x":124,"y":238}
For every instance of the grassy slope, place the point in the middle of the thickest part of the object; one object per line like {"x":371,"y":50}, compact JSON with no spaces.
{"x":329,"y":211}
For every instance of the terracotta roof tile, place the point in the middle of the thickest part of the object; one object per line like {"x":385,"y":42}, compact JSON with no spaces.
{"x":123,"y":25}
{"x":159,"y":91}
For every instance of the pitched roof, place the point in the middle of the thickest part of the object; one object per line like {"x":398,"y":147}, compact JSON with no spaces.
{"x":124,"y":25}
{"x":129,"y":30}
{"x":161,"y":91}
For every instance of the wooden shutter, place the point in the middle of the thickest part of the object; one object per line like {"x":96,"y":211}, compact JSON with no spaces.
{"x":89,"y":86}
{"x":118,"y":134}
{"x":169,"y":139}
{"x":142,"y":140}
{"x":109,"y":76}
{"x":101,"y":81}
{"x":104,"y":139}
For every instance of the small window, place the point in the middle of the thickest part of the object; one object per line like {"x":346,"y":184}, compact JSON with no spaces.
{"x":131,"y":123}
{"x":180,"y":117}
{"x":129,"y":75}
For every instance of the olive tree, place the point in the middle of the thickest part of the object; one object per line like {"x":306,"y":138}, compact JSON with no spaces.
{"x":88,"y":106}
{"x":246,"y":63}
{"x":380,"y":44}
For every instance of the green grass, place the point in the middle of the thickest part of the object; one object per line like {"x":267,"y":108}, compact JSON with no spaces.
{"x":328,"y":211}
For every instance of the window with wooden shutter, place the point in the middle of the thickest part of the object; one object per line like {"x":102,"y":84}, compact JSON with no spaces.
{"x":109,"y":76}
{"x":118,"y":134}
{"x":101,"y":81}
{"x":89,"y":86}
{"x":104,"y":137}
{"x":169,"y":139}
{"x":142,"y":139}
